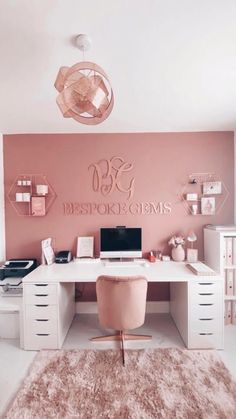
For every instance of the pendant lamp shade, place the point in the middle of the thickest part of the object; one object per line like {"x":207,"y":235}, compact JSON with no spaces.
{"x":85,"y":93}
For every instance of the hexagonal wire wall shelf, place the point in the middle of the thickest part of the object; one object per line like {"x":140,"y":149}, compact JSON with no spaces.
{"x":195,"y":186}
{"x":27,"y":186}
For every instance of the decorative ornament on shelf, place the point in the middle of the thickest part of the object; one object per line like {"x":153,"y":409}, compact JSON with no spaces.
{"x":85,"y":93}
{"x":177,"y":253}
{"x":192,"y":254}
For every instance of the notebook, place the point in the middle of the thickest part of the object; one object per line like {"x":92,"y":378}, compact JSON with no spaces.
{"x":200,"y":268}
{"x":221,"y":227}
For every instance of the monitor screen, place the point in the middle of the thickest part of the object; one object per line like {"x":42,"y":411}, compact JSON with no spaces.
{"x":120,"y":242}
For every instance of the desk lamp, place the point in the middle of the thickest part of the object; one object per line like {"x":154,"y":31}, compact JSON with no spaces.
{"x":192,"y":254}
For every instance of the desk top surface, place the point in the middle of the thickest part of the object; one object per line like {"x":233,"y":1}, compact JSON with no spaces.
{"x":89,"y":271}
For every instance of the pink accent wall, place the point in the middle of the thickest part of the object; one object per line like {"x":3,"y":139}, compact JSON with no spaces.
{"x":162,"y":163}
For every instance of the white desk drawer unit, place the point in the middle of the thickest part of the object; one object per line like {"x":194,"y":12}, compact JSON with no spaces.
{"x":40,"y":316}
{"x":206,"y":314}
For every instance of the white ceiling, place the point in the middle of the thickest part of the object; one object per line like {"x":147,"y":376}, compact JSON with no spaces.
{"x":172,"y":63}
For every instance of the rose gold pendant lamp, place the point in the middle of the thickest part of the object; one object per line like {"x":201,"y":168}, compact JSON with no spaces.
{"x":85,"y":93}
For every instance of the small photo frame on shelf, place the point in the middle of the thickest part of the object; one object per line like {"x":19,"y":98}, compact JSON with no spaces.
{"x":38,"y":206}
{"x":191,"y":196}
{"x":212,"y":188}
{"x":208,"y":205}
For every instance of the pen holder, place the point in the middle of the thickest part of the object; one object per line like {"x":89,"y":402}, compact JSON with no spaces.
{"x":152,"y":258}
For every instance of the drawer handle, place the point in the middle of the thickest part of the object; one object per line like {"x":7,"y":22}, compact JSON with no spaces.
{"x":41,"y":295}
{"x":207,"y":319}
{"x":42,"y":320}
{"x":41,"y":285}
{"x":42,"y":334}
{"x":206,"y":334}
{"x":205,"y":304}
{"x":205,"y":293}
{"x":41,"y":305}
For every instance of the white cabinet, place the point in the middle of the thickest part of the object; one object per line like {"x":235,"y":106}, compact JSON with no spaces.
{"x":220,"y":255}
{"x":206,"y":325}
{"x":48,"y":312}
{"x":197,"y":310}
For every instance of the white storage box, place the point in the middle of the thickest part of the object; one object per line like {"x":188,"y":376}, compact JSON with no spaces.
{"x":10,"y":317}
{"x":9,"y":324}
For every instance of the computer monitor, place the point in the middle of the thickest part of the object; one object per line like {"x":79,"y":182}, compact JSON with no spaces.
{"x":120,"y":242}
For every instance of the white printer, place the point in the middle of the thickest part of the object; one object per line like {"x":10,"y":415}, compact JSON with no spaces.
{"x":11,"y":274}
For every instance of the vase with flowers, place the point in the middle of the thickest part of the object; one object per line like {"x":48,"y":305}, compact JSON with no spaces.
{"x":177,"y":252}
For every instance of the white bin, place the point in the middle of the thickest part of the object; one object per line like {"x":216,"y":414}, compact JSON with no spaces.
{"x":9,"y":324}
{"x":10,"y":317}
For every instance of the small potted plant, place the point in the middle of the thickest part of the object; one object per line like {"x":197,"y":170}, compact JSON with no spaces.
{"x":178,"y":252}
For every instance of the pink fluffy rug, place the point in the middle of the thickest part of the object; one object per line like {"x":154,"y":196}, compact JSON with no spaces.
{"x":155,"y":383}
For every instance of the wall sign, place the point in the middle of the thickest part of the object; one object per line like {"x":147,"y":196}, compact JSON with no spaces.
{"x":109,"y":175}
{"x":117,"y":208}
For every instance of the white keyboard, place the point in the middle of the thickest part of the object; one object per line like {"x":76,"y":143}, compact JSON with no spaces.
{"x":125,"y":264}
{"x":86,"y":260}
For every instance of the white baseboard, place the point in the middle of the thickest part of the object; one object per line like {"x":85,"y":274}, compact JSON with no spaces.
{"x":152,"y":307}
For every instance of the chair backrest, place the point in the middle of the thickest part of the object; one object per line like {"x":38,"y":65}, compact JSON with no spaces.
{"x":121,"y":301}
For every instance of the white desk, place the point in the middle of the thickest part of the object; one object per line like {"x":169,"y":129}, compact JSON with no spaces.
{"x":196,"y":302}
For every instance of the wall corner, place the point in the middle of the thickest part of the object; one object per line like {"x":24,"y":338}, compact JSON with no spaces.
{"x":2,"y":205}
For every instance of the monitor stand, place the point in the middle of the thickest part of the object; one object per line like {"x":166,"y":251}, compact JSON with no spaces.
{"x":120,"y":260}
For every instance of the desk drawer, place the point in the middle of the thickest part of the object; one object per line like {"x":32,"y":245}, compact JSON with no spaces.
{"x":210,"y":340}
{"x":208,"y":325}
{"x":206,"y":286}
{"x":36,"y":341}
{"x":40,"y":312}
{"x":207,"y":310}
{"x":32,"y":289}
{"x":40,"y":298}
{"x":42,"y":326}
{"x":204,"y":298}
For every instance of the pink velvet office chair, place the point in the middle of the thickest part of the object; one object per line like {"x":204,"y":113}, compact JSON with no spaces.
{"x":121,"y":306}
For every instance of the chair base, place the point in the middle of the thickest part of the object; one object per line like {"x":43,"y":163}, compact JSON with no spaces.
{"x":121,"y":337}
{"x":118,"y":337}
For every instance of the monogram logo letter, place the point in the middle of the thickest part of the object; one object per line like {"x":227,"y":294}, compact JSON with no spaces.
{"x":108,"y":175}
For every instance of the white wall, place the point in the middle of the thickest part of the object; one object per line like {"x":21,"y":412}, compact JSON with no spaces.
{"x":2,"y":205}
{"x":234,"y":177}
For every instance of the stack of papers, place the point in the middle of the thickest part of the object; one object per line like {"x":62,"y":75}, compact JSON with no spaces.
{"x":200,"y":268}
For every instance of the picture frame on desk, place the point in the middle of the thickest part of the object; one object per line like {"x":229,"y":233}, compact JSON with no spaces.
{"x":208,"y":205}
{"x":85,"y":247}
